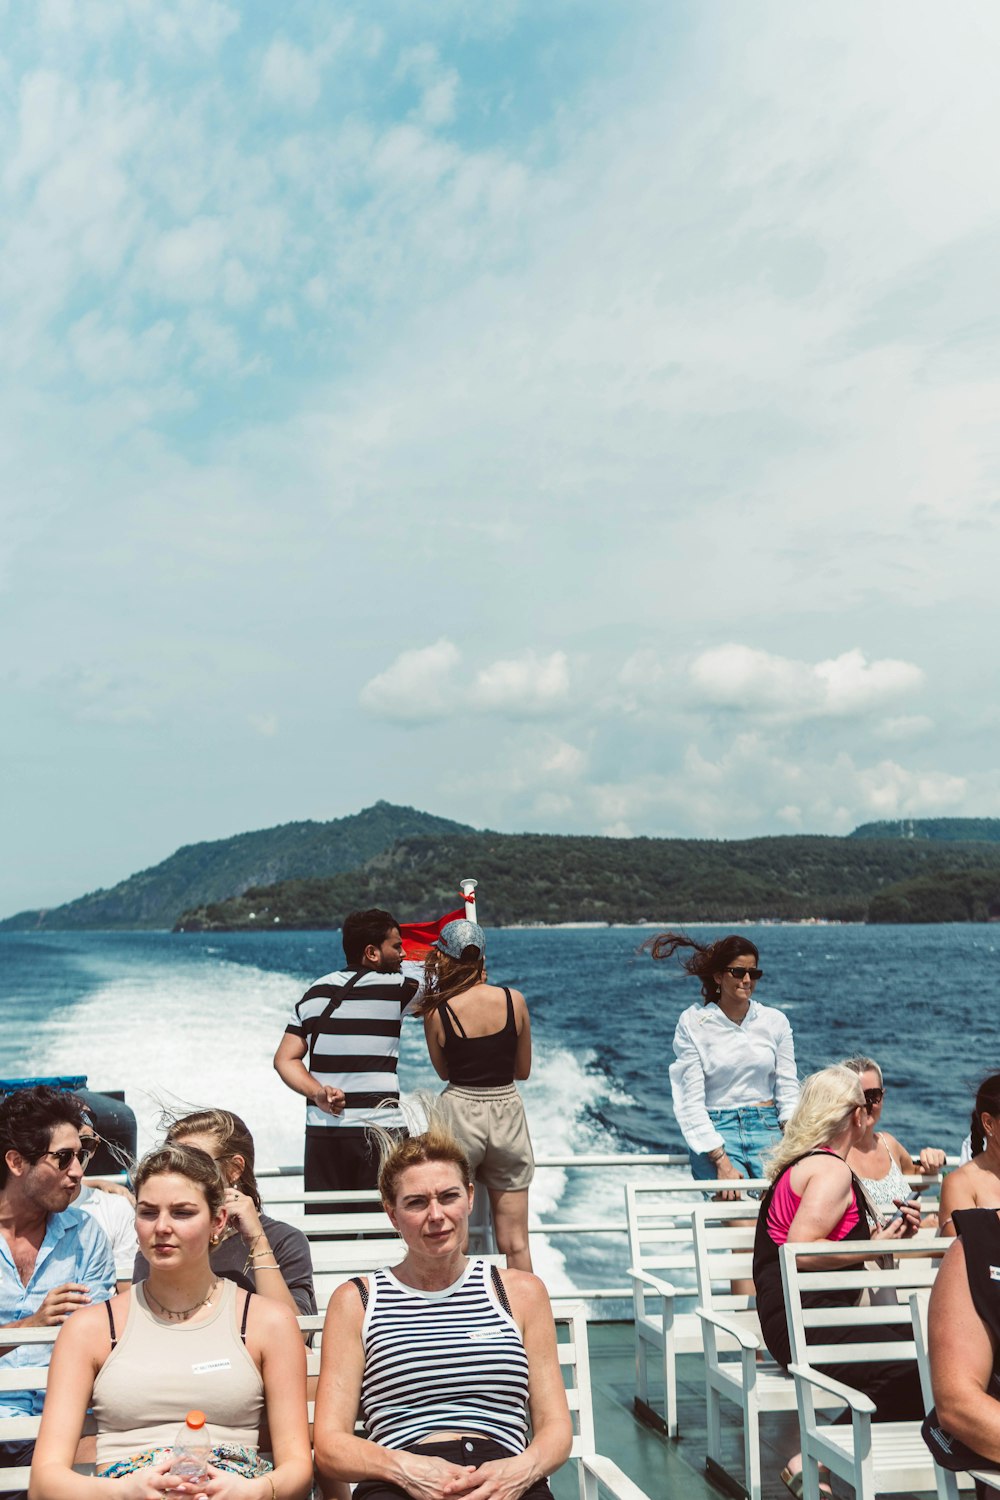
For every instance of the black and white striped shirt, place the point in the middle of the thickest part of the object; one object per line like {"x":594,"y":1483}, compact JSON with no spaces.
{"x":350,"y":1021}
{"x":450,"y":1361}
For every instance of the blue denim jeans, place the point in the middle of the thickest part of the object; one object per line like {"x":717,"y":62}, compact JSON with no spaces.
{"x":747,"y":1133}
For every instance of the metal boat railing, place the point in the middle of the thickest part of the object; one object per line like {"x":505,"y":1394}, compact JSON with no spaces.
{"x":628,"y":1166}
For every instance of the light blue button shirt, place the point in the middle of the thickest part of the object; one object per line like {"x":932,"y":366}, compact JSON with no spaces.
{"x":75,"y":1248}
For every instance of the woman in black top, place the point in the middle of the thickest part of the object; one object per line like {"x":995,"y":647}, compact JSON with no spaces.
{"x":963,"y":1431}
{"x":479,"y":1039}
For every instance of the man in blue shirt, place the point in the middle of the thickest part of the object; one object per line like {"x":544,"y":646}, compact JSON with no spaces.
{"x":53,"y":1257}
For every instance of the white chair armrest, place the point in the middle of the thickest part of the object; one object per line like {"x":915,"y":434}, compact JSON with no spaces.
{"x":856,"y":1400}
{"x":610,"y":1477}
{"x":744,"y":1337}
{"x":655,"y":1284}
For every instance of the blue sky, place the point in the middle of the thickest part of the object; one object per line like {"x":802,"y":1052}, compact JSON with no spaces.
{"x":569,"y":417}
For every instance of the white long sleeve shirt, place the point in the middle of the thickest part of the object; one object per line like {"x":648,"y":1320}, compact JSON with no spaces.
{"x":722,"y":1064}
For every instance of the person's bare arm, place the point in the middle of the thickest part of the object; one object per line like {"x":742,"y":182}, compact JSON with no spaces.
{"x":551,"y":1429}
{"x":292,"y":1070}
{"x":434,"y":1037}
{"x":827,"y":1193}
{"x":962,"y":1360}
{"x":522,"y":1057}
{"x":957,"y":1191}
{"x":283,"y":1370}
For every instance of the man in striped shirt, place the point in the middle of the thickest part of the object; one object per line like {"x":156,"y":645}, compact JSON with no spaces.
{"x":341,"y":1049}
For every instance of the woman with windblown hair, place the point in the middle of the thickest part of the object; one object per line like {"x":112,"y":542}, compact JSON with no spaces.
{"x":479,"y":1039}
{"x":734,"y":1082}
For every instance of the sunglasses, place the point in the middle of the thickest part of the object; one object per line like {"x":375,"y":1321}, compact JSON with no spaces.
{"x":873,"y":1097}
{"x":738,"y":973}
{"x":63,"y":1158}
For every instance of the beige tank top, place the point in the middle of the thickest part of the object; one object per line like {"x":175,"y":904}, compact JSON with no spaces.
{"x":158,"y":1372}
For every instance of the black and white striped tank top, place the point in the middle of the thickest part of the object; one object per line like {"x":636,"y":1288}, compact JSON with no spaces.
{"x":450,"y":1361}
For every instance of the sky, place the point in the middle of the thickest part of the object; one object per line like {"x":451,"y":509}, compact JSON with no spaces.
{"x":570,"y":417}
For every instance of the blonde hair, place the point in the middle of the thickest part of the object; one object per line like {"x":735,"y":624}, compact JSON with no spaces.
{"x":397,"y":1155}
{"x":860,"y":1064}
{"x":826,"y":1103}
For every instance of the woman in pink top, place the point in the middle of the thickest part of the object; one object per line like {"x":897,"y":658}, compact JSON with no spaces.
{"x":814,"y":1195}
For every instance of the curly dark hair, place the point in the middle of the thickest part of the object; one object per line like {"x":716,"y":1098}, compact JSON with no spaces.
{"x":363,"y":927}
{"x":707,"y":959}
{"x":28,"y":1118}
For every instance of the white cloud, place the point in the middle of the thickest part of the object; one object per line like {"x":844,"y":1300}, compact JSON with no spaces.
{"x":760,"y":684}
{"x":417,"y":688}
{"x":523,"y":687}
{"x":422,"y":685}
{"x":290,"y":75}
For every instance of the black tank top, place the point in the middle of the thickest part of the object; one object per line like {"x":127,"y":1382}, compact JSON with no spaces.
{"x":479,"y":1062}
{"x":767,"y":1272}
{"x":979,"y":1230}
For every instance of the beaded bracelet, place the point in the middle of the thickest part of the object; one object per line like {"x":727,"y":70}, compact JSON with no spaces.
{"x":265,"y":1267}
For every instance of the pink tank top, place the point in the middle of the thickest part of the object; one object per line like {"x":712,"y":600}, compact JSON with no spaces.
{"x":784,"y":1205}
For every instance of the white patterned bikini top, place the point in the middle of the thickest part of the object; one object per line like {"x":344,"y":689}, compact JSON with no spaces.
{"x":880,"y":1192}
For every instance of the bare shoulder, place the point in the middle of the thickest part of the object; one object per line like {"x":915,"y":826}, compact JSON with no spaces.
{"x":825,"y":1167}
{"x":345,"y":1303}
{"x":526,"y":1293}
{"x":270,"y":1318}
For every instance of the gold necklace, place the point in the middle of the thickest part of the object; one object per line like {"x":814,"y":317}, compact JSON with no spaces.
{"x":180,"y":1314}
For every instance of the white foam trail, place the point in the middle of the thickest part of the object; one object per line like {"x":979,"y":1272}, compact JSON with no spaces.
{"x":185,"y":1038}
{"x":192,"y":1035}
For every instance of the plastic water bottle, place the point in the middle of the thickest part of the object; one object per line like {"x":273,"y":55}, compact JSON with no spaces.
{"x":192,"y":1449}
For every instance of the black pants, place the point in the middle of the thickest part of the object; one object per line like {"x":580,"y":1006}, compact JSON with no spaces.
{"x":341,"y":1160}
{"x":468,"y":1450}
{"x":12,"y":1456}
{"x":894,"y":1385}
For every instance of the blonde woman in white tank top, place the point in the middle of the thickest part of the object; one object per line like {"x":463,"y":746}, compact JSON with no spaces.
{"x":186,"y":1339}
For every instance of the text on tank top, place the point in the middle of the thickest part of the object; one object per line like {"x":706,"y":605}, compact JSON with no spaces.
{"x":479,"y":1062}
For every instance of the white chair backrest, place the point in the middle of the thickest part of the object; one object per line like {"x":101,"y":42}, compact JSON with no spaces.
{"x":660,"y":1233}
{"x":723,"y":1242}
{"x":912,"y":1266}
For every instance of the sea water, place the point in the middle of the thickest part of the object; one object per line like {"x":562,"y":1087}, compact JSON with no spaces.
{"x":181,"y":1021}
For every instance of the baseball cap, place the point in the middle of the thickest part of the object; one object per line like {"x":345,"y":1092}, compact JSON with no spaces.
{"x":456,"y":937}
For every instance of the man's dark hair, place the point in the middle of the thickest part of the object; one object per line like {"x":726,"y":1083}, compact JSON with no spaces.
{"x":362,"y":928}
{"x":28,"y":1118}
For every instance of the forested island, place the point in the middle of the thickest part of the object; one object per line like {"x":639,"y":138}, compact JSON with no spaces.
{"x":309,"y":874}
{"x":538,"y":878}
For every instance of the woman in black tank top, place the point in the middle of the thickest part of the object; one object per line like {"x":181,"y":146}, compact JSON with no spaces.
{"x":963,"y":1429}
{"x":479,"y":1039}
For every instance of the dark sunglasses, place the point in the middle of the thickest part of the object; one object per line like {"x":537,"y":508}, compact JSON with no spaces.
{"x":739,"y":973}
{"x":63,"y":1158}
{"x":873,"y":1097}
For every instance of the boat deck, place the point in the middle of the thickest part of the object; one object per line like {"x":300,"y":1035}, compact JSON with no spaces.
{"x":660,"y":1466}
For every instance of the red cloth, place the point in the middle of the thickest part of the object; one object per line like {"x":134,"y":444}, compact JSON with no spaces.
{"x":419,"y":937}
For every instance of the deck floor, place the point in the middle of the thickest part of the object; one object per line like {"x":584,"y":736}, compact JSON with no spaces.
{"x":658,"y":1465}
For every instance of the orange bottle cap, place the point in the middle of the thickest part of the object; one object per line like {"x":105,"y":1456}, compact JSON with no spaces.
{"x":196,"y":1419}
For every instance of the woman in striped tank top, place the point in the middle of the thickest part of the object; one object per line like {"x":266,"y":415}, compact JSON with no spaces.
{"x":445,"y":1358}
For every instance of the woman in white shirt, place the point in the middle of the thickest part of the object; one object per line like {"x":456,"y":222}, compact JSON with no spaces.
{"x":734,"y":1082}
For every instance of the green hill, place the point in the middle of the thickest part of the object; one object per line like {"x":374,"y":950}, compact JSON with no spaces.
{"x":553,"y":878}
{"x":211,"y":872}
{"x":944,"y":896}
{"x":940,"y":830}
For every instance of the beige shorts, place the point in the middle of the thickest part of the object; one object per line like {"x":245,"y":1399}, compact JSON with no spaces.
{"x":490,"y":1127}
